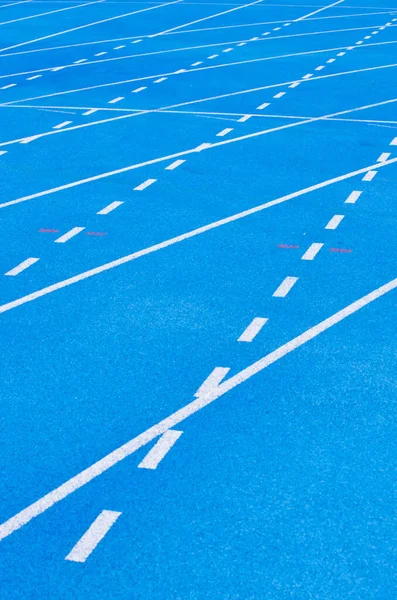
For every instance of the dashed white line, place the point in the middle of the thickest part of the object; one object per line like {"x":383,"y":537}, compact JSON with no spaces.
{"x":253,"y":329}
{"x":179,"y":71}
{"x":242,"y":44}
{"x":196,"y":64}
{"x":353,"y":197}
{"x":100,"y":54}
{"x":136,"y":41}
{"x":312,"y":251}
{"x":369,"y":176}
{"x":22,"y":266}
{"x":55,"y":69}
{"x":94,"y":534}
{"x":384,"y":156}
{"x":174,"y":165}
{"x":6,"y":87}
{"x":78,"y":62}
{"x":160,"y":79}
{"x":224,"y":132}
{"x":212,"y":381}
{"x":394,"y":142}
{"x":109,"y":208}
{"x":160,"y":449}
{"x":140,"y":89}
{"x":331,"y":60}
{"x":119,"y":47}
{"x":67,"y":236}
{"x":116,"y":99}
{"x":341,"y":54}
{"x":334,"y":222}
{"x":319,"y":68}
{"x":279,"y":95}
{"x":285,"y":287}
{"x":294,"y":85}
{"x":33,"y":77}
{"x":3,"y":152}
{"x":63,"y":124}
{"x":307,"y":76}
{"x":244,"y":118}
{"x":213,"y":56}
{"x":144,"y":185}
{"x":90,"y":112}
{"x":262,"y":106}
{"x":227,"y":50}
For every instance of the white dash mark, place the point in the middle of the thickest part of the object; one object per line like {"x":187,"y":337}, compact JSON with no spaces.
{"x":34,"y":77}
{"x":254,"y":39}
{"x":266,"y":33}
{"x":286,"y":24}
{"x":160,"y":449}
{"x":359,"y":43}
{"x":312,"y":251}
{"x":22,"y":266}
{"x":94,"y":534}
{"x":66,"y":236}
{"x":394,"y":142}
{"x":180,"y":71}
{"x":27,"y":140}
{"x":331,"y":60}
{"x":144,"y":185}
{"x":140,"y":89}
{"x":6,"y":87}
{"x":109,"y":208}
{"x":375,"y":33}
{"x":277,"y":29}
{"x":136,"y":41}
{"x":3,"y":152}
{"x":63,"y":124}
{"x":119,"y":47}
{"x":334,"y":222}
{"x":307,"y":76}
{"x":369,"y":176}
{"x":294,"y":85}
{"x":90,"y":112}
{"x":57,"y":69}
{"x":78,"y":62}
{"x":203,"y":147}
{"x":341,"y":54}
{"x":213,"y":56}
{"x":242,"y":44}
{"x":244,"y":118}
{"x":350,"y":48}
{"x":212,"y":381}
{"x":252,"y":330}
{"x":160,"y":80}
{"x":224,"y":132}
{"x":116,"y":99}
{"x":285,"y":286}
{"x":196,"y":64}
{"x":383,"y":157}
{"x":174,"y":165}
{"x":354,"y":196}
{"x":279,"y":95}
{"x":227,"y":50}
{"x":367,"y":37}
{"x":262,"y":106}
{"x":100,"y":54}
{"x":320,"y":68}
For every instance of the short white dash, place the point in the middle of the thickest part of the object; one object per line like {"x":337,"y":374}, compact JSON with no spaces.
{"x":277,"y":29}
{"x":144,"y":185}
{"x":109,"y":208}
{"x":22,"y":266}
{"x":224,"y":132}
{"x":160,"y":449}
{"x":100,"y":54}
{"x":63,"y":124}
{"x":27,"y":140}
{"x":359,"y":43}
{"x":312,"y":251}
{"x":174,"y":165}
{"x":252,"y":330}
{"x":294,"y":85}
{"x":320,"y":68}
{"x":375,"y":33}
{"x":203,"y":146}
{"x":307,"y":76}
{"x":116,"y":100}
{"x":34,"y":77}
{"x":212,"y":381}
{"x":394,"y":142}
{"x":213,"y":56}
{"x":285,"y":286}
{"x":180,"y":71}
{"x":118,"y":47}
{"x":369,"y":175}
{"x":78,"y":62}
{"x":136,"y":41}
{"x":253,"y":39}
{"x":350,"y":48}
{"x":367,"y":37}
{"x":286,"y":24}
{"x":160,"y":80}
{"x":227,"y":50}
{"x":90,"y":112}
{"x":262,"y":106}
{"x":196,"y":64}
{"x":140,"y":89}
{"x":383,"y":157}
{"x":242,"y":44}
{"x":266,"y":33}
{"x":6,"y":87}
{"x":279,"y":95}
{"x":66,"y":236}
{"x":94,"y":534}
{"x":58,"y":69}
{"x":3,"y":152}
{"x":331,"y":60}
{"x":341,"y":54}
{"x":353,"y":197}
{"x":244,"y":118}
{"x":334,"y":222}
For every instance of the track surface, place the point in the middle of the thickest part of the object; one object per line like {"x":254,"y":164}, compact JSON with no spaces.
{"x":243,"y":359}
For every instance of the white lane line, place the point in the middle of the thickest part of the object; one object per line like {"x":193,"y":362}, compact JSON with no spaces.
{"x":182,"y":70}
{"x":369,"y":176}
{"x":90,"y":112}
{"x":317,"y":11}
{"x":341,"y":54}
{"x":33,"y":77}
{"x":29,"y":139}
{"x":160,"y":449}
{"x":279,"y":95}
{"x":242,"y":44}
{"x":22,"y":266}
{"x":277,"y":29}
{"x":307,"y":76}
{"x":160,"y":79}
{"x":331,"y":60}
{"x":55,"y":69}
{"x":244,"y":118}
{"x":109,"y":208}
{"x":384,"y":156}
{"x":394,"y":142}
{"x":6,"y":87}
{"x":285,"y":286}
{"x":252,"y":330}
{"x":212,"y":381}
{"x":174,"y":165}
{"x":94,"y":534}
{"x":136,"y":41}
{"x":66,"y":236}
{"x":334,"y":222}
{"x":319,"y":68}
{"x":100,"y":54}
{"x":262,"y":106}
{"x":63,"y":124}
{"x":353,"y":197}
{"x":367,"y":37}
{"x":227,"y":50}
{"x":213,"y":56}
{"x":294,"y":85}
{"x":196,"y":64}
{"x":116,"y":99}
{"x":46,"y":13}
{"x":119,"y":47}
{"x":144,"y":185}
{"x":359,"y":43}
{"x":3,"y":152}
{"x":224,"y":132}
{"x":78,"y":62}
{"x":140,"y":89}
{"x":312,"y":251}
{"x":15,"y":3}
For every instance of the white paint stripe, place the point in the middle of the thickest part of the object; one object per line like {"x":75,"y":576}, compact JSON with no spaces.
{"x":109,"y":208}
{"x":22,"y":266}
{"x":331,"y":60}
{"x":279,"y":95}
{"x":334,"y":222}
{"x":63,"y":124}
{"x":119,"y":47}
{"x":90,"y":112}
{"x":15,"y":3}
{"x":116,"y":100}
{"x":196,"y":64}
{"x":317,"y":11}
{"x":394,"y":142}
{"x":253,"y":329}
{"x":353,"y":197}
{"x":78,"y":62}
{"x":160,"y":449}
{"x":100,"y":54}
{"x":136,"y":41}
{"x":74,"y":483}
{"x":369,"y":176}
{"x":174,"y":165}
{"x":285,"y":286}
{"x":3,"y":152}
{"x":384,"y":156}
{"x":48,"y":13}
{"x":6,"y":87}
{"x":312,"y":251}
{"x":244,"y":118}
{"x":307,"y":76}
{"x":34,"y":77}
{"x":224,"y":132}
{"x":55,"y":69}
{"x":213,"y":56}
{"x":66,"y":236}
{"x":320,"y":68}
{"x":140,"y":89}
{"x":341,"y":54}
{"x":262,"y":106}
{"x":294,"y":85}
{"x":144,"y":185}
{"x":227,"y":50}
{"x":93,"y":536}
{"x":212,"y":381}
{"x":160,"y":80}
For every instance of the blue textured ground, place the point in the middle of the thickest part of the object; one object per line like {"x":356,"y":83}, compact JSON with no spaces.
{"x":284,"y":486}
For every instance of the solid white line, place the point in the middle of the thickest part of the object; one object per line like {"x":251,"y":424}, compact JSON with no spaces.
{"x":144,"y":185}
{"x":384,"y":156}
{"x":212,"y":381}
{"x":93,"y":536}
{"x":140,"y":89}
{"x":353,"y":197}
{"x":369,"y":176}
{"x":63,"y":124}
{"x":253,"y":329}
{"x":285,"y":286}
{"x":312,"y":251}
{"x":160,"y":449}
{"x":15,"y":3}
{"x":66,"y":236}
{"x":109,"y":208}
{"x":224,"y":132}
{"x":262,"y":106}
{"x":74,"y":483}
{"x":116,"y":99}
{"x":317,"y":11}
{"x":49,"y":13}
{"x":334,"y":222}
{"x":22,"y":266}
{"x":3,"y":152}
{"x":174,"y":165}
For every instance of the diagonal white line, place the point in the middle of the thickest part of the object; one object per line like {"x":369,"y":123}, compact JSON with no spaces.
{"x":318,"y":11}
{"x":51,"y":12}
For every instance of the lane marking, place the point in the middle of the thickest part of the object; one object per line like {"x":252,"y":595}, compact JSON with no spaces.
{"x":140,"y":89}
{"x":312,"y":251}
{"x":33,"y":77}
{"x":317,"y":11}
{"x":394,"y":142}
{"x":68,"y":235}
{"x":3,"y":152}
{"x":119,"y":47}
{"x":353,"y":197}
{"x":334,"y":222}
{"x":94,"y":534}
{"x":253,"y":329}
{"x":384,"y":156}
{"x":331,"y":60}
{"x":244,"y":118}
{"x":63,"y":124}
{"x":78,"y":62}
{"x":51,"y":12}
{"x":100,"y":54}
{"x":160,"y":79}
{"x":227,"y":50}
{"x":285,"y":287}
{"x":109,"y":208}
{"x":294,"y":85}
{"x":6,"y":87}
{"x":307,"y":76}
{"x":160,"y":449}
{"x":55,"y":69}
{"x":22,"y":266}
{"x":212,"y":381}
{"x":116,"y":99}
{"x":279,"y":95}
{"x":262,"y":106}
{"x":196,"y":64}
{"x":320,"y":68}
{"x":174,"y":165}
{"x":144,"y":185}
{"x":224,"y":132}
{"x":369,"y":176}
{"x":90,"y":112}
{"x":213,"y":56}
